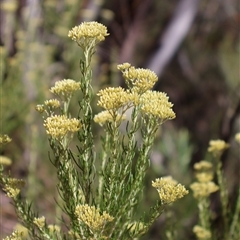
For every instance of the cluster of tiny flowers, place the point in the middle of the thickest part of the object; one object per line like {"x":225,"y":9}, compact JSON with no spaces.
{"x":203,"y":189}
{"x":105,"y":116}
{"x":22,"y":229}
{"x":157,"y":104}
{"x":201,"y":233}
{"x":58,"y":126}
{"x":203,"y":166}
{"x":40,"y":108}
{"x":16,"y":235}
{"x":52,"y":103}
{"x":65,"y":88}
{"x":217,"y":147}
{"x":5,"y":161}
{"x":138,"y":79}
{"x":91,"y":217}
{"x":39,"y":222}
{"x":88,"y":34}
{"x":169,"y":190}
{"x":237,"y":137}
{"x":53,"y":228}
{"x":113,"y":98}
{"x":4,"y":139}
{"x":204,"y":171}
{"x":13,"y":186}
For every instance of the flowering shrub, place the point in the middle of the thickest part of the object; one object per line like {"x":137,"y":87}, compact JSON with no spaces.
{"x":100,"y":192}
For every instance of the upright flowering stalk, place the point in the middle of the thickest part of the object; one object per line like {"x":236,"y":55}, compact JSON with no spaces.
{"x":234,"y":227}
{"x":107,"y":210}
{"x":125,"y":161}
{"x":60,"y":127}
{"x":217,"y":147}
{"x":87,"y":35}
{"x":201,"y":191}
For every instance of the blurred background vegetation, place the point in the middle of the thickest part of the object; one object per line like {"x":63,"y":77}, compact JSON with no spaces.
{"x":193,"y":46}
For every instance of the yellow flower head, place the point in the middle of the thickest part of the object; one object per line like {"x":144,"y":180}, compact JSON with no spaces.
{"x":88,"y":34}
{"x":204,"y":171}
{"x":4,"y":139}
{"x":157,"y":104}
{"x":16,"y":235}
{"x":237,"y":137}
{"x":169,"y":190}
{"x":203,"y":189}
{"x":92,"y":218}
{"x":201,"y":233}
{"x":123,"y":67}
{"x":203,"y":166}
{"x":12,"y":186}
{"x":11,"y":192}
{"x":138,"y":80}
{"x":40,"y":108}
{"x":113,"y":98}
{"x":105,"y":116}
{"x":217,"y":147}
{"x":5,"y":161}
{"x":59,"y":126}
{"x":204,"y":176}
{"x":53,"y":228}
{"x":39,"y":222}
{"x":65,"y":88}
{"x":52,"y":103}
{"x":22,"y":229}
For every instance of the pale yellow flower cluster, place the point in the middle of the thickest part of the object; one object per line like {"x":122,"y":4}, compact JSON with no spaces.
{"x":12,"y":186}
{"x":139,"y":80}
{"x":54,"y":228}
{"x":201,"y":233}
{"x":4,"y":139}
{"x":157,"y":104}
{"x":22,"y":229}
{"x":92,"y":218}
{"x":65,"y":88}
{"x":52,"y":103}
{"x":203,"y":166}
{"x":169,"y":190}
{"x":59,"y":126}
{"x":16,"y":235}
{"x":39,"y":222}
{"x":217,"y":147}
{"x":237,"y":137}
{"x":12,"y":192}
{"x":113,"y":98}
{"x":88,"y":34}
{"x":5,"y":161}
{"x":203,"y":189}
{"x":105,"y":116}
{"x":204,"y":171}
{"x":204,"y":174}
{"x":40,"y":108}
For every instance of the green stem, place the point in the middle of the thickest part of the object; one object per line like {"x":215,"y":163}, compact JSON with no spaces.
{"x":223,"y":196}
{"x":234,"y":228}
{"x":204,"y":215}
{"x":85,"y":136}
